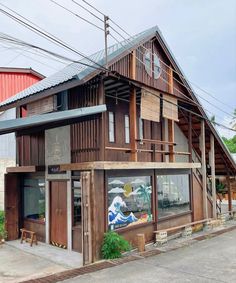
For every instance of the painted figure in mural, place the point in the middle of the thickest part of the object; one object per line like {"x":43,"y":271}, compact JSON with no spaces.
{"x":116,"y":216}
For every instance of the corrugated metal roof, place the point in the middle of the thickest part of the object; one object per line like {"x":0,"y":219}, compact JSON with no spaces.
{"x":9,"y":126}
{"x":76,"y":71}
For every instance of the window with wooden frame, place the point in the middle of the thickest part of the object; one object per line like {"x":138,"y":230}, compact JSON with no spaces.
{"x":141,"y":136}
{"x":129,"y":201}
{"x":173,"y":193}
{"x":127,"y":129}
{"x":111,"y":126}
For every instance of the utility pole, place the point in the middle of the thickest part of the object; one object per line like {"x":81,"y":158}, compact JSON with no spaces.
{"x":106,"y":31}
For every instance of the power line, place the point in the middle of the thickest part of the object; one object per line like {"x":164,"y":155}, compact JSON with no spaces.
{"x":45,"y":34}
{"x":78,"y":4}
{"x":78,"y":16}
{"x":23,"y":43}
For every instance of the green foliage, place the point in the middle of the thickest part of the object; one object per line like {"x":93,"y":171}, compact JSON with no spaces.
{"x":220,"y":187}
{"x":3,"y":233}
{"x":113,"y":245}
{"x":230,"y":143}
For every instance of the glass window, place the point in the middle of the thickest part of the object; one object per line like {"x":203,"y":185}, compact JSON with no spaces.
{"x":127,"y":137}
{"x":173,"y":194}
{"x":157,"y":67}
{"x":76,"y":196}
{"x":140,"y":128}
{"x":34,"y":199}
{"x":148,"y":62}
{"x":129,"y":201}
{"x":111,"y":127}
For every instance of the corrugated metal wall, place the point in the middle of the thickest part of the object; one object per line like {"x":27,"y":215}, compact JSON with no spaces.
{"x":12,"y":83}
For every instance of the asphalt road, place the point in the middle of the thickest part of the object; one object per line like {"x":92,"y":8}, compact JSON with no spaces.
{"x":211,"y":260}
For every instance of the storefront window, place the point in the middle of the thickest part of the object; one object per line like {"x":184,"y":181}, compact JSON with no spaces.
{"x":34,"y":199}
{"x":173,"y":194}
{"x":129,"y":201}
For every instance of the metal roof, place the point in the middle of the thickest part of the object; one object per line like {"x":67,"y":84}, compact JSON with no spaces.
{"x":9,"y":126}
{"x":76,"y":71}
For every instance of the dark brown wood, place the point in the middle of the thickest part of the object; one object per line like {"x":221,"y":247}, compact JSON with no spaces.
{"x":58,"y":212}
{"x":133,"y":125}
{"x":37,"y":226}
{"x":12,"y":200}
{"x":171,"y":140}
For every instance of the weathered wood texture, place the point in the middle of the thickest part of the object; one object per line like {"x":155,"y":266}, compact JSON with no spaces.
{"x":41,"y":106}
{"x":37,"y":227}
{"x":12,"y":209}
{"x":58,"y":212}
{"x":31,"y":149}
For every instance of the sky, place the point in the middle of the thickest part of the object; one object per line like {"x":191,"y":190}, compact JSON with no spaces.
{"x":201,"y":34}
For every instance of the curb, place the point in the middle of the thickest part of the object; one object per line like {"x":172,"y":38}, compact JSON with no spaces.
{"x":64,"y":275}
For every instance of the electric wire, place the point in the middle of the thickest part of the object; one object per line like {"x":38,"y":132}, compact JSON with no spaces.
{"x":45,"y":34}
{"x":78,"y":16}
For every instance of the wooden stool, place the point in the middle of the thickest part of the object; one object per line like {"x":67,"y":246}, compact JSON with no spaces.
{"x":32,"y":236}
{"x":140,"y":242}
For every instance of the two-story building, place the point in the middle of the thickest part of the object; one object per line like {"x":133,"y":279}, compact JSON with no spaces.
{"x":128,"y":149}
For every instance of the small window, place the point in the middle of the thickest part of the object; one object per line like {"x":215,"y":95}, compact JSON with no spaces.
{"x":140,"y":128}
{"x":111,"y":127}
{"x":127,"y":137}
{"x":157,"y":67}
{"x":148,"y":62}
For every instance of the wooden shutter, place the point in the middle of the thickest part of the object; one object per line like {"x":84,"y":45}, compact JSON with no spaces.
{"x":170,"y":107}
{"x":150,"y":105}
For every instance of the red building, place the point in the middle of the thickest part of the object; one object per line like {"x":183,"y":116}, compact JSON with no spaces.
{"x":12,"y":81}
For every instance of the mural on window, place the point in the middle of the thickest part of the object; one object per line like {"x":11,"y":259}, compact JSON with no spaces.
{"x":129,"y":201}
{"x":173,"y":194}
{"x":34,"y":199}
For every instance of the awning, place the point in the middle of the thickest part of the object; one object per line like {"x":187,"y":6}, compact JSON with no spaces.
{"x":13,"y":125}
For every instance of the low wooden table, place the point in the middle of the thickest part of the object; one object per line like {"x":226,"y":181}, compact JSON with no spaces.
{"x":28,"y":236}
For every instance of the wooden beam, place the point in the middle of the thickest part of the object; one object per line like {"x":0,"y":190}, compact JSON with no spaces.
{"x":229,"y":192}
{"x":133,"y":110}
{"x":25,"y":169}
{"x":171,"y":122}
{"x":204,"y":177}
{"x":213,"y":176}
{"x":119,"y":165}
{"x":101,"y":101}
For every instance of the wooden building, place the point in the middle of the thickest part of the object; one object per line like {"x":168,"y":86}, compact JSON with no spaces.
{"x":128,"y":149}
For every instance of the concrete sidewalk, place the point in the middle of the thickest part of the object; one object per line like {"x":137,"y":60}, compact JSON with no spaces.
{"x":210,"y":260}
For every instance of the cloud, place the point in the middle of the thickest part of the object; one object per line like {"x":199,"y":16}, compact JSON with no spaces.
{"x":116,"y":190}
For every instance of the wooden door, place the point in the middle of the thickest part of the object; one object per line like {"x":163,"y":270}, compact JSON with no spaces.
{"x":58,"y":213}
{"x":12,"y":199}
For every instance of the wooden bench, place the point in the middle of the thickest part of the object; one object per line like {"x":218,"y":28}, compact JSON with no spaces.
{"x":28,"y":236}
{"x":161,"y":235}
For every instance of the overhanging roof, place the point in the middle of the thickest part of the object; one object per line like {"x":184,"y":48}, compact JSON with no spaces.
{"x":13,"y":125}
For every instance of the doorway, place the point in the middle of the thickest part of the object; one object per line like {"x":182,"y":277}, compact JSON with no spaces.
{"x":58,"y":213}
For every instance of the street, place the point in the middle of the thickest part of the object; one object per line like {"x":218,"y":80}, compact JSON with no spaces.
{"x":211,"y":260}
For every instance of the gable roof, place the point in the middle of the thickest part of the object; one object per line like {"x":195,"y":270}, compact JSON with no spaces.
{"x":21,"y":71}
{"x":76,"y":71}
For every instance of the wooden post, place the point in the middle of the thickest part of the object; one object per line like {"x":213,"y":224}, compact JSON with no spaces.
{"x":101,"y":100}
{"x":229,"y":192}
{"x":86,"y":217}
{"x":204,"y":176}
{"x":190,"y":159}
{"x":213,"y":176}
{"x":171,"y":123}
{"x":133,"y":110}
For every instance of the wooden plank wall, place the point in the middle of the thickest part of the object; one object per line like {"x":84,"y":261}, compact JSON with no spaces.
{"x":31,"y":149}
{"x":151,"y":130}
{"x":85,"y":135}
